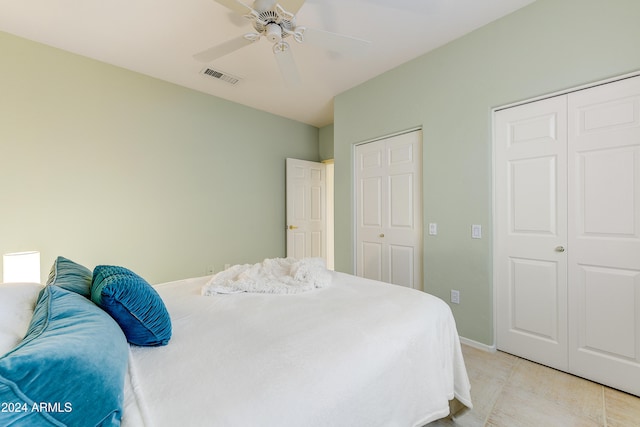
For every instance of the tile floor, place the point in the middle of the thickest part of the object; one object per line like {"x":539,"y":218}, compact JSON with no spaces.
{"x":508,"y":391}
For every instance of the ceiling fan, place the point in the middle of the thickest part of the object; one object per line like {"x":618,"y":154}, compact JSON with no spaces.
{"x":276,"y":21}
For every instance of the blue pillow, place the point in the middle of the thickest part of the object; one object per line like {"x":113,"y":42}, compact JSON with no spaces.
{"x":71,"y":276}
{"x":69,"y":369}
{"x":133,"y":303}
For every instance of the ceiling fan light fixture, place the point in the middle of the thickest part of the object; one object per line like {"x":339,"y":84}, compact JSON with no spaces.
{"x":298,"y":34}
{"x":252,"y":37}
{"x":273,"y":32}
{"x":286,"y":16}
{"x":251,"y":16}
{"x":280,"y":47}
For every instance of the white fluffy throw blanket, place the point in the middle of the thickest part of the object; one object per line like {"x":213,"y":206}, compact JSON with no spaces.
{"x":272,"y":276}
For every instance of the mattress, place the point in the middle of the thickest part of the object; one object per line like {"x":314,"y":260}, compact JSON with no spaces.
{"x":356,"y":353}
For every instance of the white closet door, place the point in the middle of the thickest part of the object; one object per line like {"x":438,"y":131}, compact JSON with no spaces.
{"x":604,"y":236}
{"x":567,"y":258}
{"x":531,"y":221}
{"x":389,"y":210}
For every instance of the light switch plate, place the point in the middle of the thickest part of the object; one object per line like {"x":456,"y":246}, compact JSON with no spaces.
{"x":476,"y":231}
{"x":455,"y":296}
{"x":433,"y":228}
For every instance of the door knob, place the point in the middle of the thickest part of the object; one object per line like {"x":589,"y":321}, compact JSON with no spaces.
{"x":292,"y":227}
{"x":559,"y":248}
{"x":381,"y":234}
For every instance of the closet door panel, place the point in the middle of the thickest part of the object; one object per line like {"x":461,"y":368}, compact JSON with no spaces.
{"x":604,"y":236}
{"x":531,"y":215}
{"x":370,"y":211}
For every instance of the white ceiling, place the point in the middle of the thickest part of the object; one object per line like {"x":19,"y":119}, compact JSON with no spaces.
{"x":159,"y":37}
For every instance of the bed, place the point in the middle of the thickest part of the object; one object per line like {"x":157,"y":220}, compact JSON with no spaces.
{"x":354,"y":353}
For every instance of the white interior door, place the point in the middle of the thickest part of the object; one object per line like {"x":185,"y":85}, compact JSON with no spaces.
{"x":389,"y":210}
{"x":604,"y":237}
{"x":531,"y":228}
{"x":306,"y":209}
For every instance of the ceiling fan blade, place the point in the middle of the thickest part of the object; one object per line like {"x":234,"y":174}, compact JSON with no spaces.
{"x":235,"y":5}
{"x":288,"y":67}
{"x":222,"y":49}
{"x":336,"y":42}
{"x":291,"y":6}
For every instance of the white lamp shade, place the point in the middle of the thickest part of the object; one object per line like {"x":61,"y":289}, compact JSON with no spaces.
{"x":21,"y":267}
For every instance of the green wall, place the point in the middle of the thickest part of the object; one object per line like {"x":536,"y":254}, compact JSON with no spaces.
{"x":106,"y":166}
{"x":325,"y":142}
{"x":548,"y":46}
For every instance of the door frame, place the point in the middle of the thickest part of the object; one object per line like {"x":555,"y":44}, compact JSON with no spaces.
{"x":354,"y":193}
{"x":330,"y":212}
{"x":494,"y":235}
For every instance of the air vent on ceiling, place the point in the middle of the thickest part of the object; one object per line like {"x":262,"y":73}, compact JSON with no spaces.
{"x":220,"y":75}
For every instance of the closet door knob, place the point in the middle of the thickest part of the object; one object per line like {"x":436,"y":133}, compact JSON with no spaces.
{"x":381,"y":234}
{"x":559,"y":248}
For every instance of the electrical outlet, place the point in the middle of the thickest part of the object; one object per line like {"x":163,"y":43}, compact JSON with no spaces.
{"x":455,"y":296}
{"x":210,"y":270}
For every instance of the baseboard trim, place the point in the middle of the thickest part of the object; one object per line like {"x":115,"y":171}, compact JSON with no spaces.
{"x":478,"y":345}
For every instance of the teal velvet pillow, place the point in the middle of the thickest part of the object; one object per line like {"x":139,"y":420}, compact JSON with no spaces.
{"x":69,"y":370}
{"x":133,"y":303}
{"x":71,"y":276}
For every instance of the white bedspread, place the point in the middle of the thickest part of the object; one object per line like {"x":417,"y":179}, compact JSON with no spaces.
{"x":357,"y":353}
